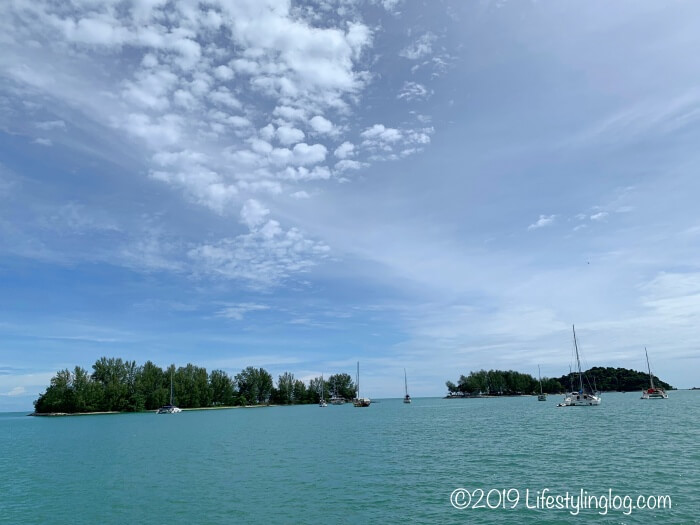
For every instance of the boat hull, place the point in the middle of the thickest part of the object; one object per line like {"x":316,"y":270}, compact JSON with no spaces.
{"x":576,"y":399}
{"x":169,"y":410}
{"x":656,"y":394}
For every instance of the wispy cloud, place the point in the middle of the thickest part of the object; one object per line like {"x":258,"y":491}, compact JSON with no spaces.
{"x":544,"y":220}
{"x":420,"y":48}
{"x":237,"y":311}
{"x":413,"y":91}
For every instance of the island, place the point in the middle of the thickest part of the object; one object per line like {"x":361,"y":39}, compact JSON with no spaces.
{"x":492,"y":383}
{"x":117,"y":385}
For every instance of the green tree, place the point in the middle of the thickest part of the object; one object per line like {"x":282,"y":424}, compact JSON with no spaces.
{"x":301,"y":394}
{"x":113,"y":375}
{"x":223,"y":392}
{"x":341,"y":385}
{"x":255,"y":385}
{"x":153,"y":385}
{"x":285,"y":389}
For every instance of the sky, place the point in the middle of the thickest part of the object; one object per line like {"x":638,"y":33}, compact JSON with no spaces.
{"x":440,"y":186}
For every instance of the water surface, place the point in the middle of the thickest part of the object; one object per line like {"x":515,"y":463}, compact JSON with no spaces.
{"x":387,"y":463}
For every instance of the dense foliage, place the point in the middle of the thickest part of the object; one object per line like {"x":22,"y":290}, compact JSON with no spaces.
{"x":620,"y":379}
{"x":500,"y":382}
{"x":118,"y":385}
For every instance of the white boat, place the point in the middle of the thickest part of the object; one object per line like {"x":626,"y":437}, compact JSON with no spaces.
{"x":585,"y":396}
{"x":652,"y":392}
{"x":406,"y":398}
{"x":359,"y":401}
{"x":541,"y":396}
{"x":170,"y":408}
{"x":322,"y":400}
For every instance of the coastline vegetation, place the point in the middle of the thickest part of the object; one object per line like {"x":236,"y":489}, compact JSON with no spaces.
{"x":116,"y":385}
{"x":510,"y":382}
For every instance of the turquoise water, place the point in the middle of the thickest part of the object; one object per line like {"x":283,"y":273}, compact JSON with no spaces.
{"x":387,"y":463}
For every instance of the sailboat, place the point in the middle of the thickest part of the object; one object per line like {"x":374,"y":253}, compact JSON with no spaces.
{"x":359,"y":401}
{"x":170,"y":408}
{"x":322,"y":401}
{"x":584,"y":396}
{"x":541,"y":396}
{"x":406,"y":398}
{"x":652,"y":392}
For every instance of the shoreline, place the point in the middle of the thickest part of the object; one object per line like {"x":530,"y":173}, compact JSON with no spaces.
{"x":68,"y":414}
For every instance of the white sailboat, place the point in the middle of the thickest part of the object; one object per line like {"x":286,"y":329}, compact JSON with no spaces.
{"x":360,"y":401}
{"x":406,"y":398}
{"x":541,"y":396}
{"x":171,"y":408}
{"x":335,"y":398}
{"x":652,"y":392}
{"x":322,"y":400}
{"x":585,"y":396}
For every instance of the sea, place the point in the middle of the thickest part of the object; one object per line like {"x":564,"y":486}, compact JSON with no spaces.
{"x":510,"y":460}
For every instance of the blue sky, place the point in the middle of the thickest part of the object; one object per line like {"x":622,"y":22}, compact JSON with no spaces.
{"x":440,"y":186}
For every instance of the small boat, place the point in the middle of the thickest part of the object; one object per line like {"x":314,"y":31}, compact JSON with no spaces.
{"x":652,"y":392}
{"x":322,"y":400}
{"x":585,"y":396}
{"x":541,"y":396}
{"x":406,"y":398}
{"x":359,"y":401}
{"x":170,"y":408}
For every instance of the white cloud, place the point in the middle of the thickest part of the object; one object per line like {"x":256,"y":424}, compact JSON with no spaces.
{"x":322,"y":125}
{"x":290,"y":113}
{"x":413,"y":91}
{"x":380,"y":133}
{"x":347,"y":164}
{"x":345,"y":150}
{"x":16,"y":391}
{"x":600,"y":216}
{"x":301,"y":155}
{"x":237,"y":311}
{"x":223,"y":96}
{"x":301,"y":173}
{"x":392,"y":143}
{"x":253,"y":214}
{"x":420,"y":48}
{"x":43,"y":141}
{"x":223,"y":73}
{"x":300,"y":195}
{"x":288,"y":135}
{"x":263,"y":258}
{"x":544,"y":220}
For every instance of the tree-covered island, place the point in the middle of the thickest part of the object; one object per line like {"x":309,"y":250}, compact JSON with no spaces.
{"x":116,"y":385}
{"x":510,"y":383}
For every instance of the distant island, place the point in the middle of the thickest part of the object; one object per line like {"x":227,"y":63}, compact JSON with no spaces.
{"x":116,"y":385}
{"x":512,"y":383}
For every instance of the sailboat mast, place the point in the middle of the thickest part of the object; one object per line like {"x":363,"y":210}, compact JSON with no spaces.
{"x":405,"y":380}
{"x":578,"y":361}
{"x":171,"y":386}
{"x":651,"y":378}
{"x":539,"y":374}
{"x":357,"y":381}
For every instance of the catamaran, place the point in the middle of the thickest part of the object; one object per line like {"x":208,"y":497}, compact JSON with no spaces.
{"x":171,"y":408}
{"x":541,"y":396}
{"x":359,"y":401}
{"x":652,"y":392}
{"x":585,"y":396}
{"x":406,"y":398}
